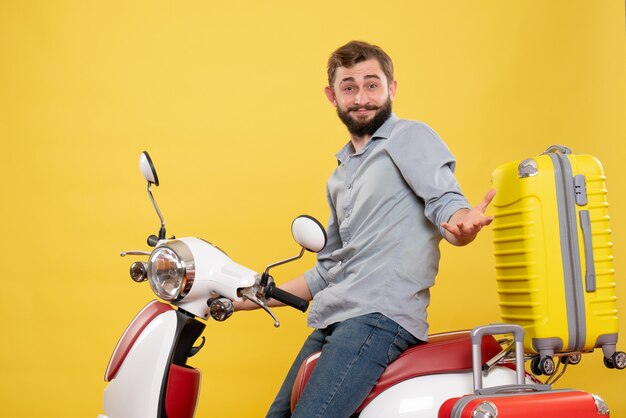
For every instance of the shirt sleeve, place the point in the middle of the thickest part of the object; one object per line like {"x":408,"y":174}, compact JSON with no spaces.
{"x":316,"y":277}
{"x":427,"y":166}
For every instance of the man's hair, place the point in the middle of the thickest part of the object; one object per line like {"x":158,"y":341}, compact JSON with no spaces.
{"x":355,"y":52}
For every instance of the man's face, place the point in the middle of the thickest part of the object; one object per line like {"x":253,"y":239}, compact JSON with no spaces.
{"x":362,"y":96}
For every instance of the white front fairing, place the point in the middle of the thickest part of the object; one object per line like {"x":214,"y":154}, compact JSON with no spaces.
{"x":215,"y":275}
{"x":421,"y":397}
{"x":136,"y":389}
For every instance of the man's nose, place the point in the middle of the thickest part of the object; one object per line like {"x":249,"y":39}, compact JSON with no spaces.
{"x":360,"y":98}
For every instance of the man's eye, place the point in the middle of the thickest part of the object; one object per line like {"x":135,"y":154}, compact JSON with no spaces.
{"x":373,"y":86}
{"x":349,"y":88}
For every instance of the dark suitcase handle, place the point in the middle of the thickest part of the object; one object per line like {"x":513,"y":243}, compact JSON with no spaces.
{"x":504,"y":389}
{"x":557,"y":149}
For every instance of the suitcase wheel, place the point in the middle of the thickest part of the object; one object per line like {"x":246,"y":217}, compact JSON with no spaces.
{"x":617,"y":361}
{"x":543,"y":365}
{"x":571,"y":359}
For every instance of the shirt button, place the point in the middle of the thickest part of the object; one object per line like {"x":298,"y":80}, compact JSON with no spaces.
{"x":349,"y":186}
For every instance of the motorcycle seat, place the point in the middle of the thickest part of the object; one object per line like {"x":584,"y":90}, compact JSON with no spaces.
{"x":442,"y":353}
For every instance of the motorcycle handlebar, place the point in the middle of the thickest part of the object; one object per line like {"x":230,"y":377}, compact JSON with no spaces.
{"x":271,"y":291}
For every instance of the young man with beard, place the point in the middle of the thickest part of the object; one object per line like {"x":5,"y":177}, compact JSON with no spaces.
{"x":392,"y":198}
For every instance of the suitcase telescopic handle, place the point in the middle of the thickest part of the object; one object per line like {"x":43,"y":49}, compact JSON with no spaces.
{"x":477,"y":335}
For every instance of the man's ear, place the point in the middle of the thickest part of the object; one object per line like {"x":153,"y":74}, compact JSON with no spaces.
{"x":330,"y":95}
{"x":392,"y":89}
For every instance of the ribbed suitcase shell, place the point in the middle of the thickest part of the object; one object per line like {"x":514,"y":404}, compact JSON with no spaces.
{"x":545,"y":262}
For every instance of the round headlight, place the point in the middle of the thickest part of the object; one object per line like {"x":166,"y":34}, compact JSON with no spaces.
{"x":167,"y":274}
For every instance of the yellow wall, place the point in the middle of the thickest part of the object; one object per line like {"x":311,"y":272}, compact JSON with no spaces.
{"x":227,"y":97}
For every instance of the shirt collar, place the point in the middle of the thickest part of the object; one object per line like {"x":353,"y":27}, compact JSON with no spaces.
{"x":381,"y":133}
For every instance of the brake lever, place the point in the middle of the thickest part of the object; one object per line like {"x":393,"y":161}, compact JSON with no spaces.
{"x":250,"y":294}
{"x":133,"y":252}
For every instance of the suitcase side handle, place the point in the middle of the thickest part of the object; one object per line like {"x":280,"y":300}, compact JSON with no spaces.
{"x":557,"y":149}
{"x":590,"y":273}
{"x":477,"y":335}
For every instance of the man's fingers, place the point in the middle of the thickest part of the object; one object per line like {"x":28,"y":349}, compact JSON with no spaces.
{"x":454,"y":230}
{"x":487,"y":200}
{"x":473,"y":227}
{"x":466,"y":228}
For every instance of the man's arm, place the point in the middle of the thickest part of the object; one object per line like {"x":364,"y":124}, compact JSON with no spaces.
{"x":465,"y":224}
{"x":297,"y":286}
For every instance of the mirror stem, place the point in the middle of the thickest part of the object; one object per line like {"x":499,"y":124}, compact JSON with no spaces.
{"x":162,"y":230}
{"x":267,"y":269}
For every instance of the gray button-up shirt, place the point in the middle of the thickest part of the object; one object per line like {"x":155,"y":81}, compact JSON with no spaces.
{"x":386,"y":204}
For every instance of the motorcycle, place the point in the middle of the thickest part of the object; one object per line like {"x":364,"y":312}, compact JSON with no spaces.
{"x":148,"y":374}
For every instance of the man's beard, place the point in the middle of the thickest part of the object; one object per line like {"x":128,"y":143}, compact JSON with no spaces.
{"x":360,"y":128}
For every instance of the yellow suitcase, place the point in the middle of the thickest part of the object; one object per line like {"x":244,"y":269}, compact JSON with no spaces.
{"x":553,"y":252}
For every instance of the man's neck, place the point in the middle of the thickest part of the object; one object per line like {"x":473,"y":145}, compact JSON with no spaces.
{"x":358,"y":142}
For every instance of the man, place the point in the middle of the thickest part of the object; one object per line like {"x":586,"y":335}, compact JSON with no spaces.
{"x":392,"y":198}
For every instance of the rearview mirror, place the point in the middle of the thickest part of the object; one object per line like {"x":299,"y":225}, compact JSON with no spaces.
{"x":309,"y":233}
{"x":147,"y":169}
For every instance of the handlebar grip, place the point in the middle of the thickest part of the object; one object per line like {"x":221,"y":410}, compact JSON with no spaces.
{"x":271,"y":291}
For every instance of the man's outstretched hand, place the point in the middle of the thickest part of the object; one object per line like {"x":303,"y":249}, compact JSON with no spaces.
{"x":465,"y":224}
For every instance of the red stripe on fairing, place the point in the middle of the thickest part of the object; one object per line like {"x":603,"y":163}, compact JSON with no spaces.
{"x":136,"y":327}
{"x":183,"y":387}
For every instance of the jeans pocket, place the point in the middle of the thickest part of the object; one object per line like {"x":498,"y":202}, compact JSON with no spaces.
{"x":401,"y":342}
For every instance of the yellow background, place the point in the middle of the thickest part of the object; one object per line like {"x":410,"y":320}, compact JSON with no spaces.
{"x":227,"y":97}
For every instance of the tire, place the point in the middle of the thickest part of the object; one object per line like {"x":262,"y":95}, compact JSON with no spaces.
{"x":608,"y":362}
{"x":534,"y":366}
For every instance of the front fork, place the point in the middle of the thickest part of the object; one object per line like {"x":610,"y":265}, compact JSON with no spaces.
{"x":181,"y":388}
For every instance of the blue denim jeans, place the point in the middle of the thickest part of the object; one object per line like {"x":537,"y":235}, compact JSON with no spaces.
{"x":355,"y":352}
